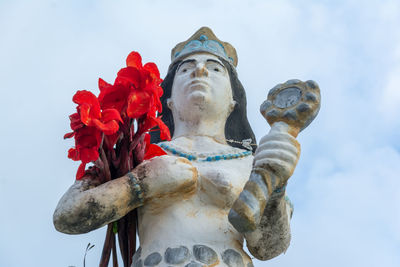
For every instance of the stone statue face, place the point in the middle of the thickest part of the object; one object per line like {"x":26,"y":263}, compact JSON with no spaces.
{"x":202,"y":82}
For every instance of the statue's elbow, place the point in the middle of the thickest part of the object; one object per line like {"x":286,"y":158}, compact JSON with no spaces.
{"x":75,"y":220}
{"x":65,"y":225}
{"x":59,"y":222}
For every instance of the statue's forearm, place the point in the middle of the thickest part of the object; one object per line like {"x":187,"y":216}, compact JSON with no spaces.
{"x":290,"y":108}
{"x":85,"y":207}
{"x":272,"y":236}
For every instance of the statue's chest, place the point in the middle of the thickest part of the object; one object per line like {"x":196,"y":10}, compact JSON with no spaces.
{"x":221,"y":182}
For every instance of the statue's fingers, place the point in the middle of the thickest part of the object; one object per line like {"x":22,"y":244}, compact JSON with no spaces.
{"x":278,"y":136}
{"x":287,"y":146}
{"x":279,"y":154}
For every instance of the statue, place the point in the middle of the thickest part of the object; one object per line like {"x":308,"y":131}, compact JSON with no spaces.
{"x":192,"y":209}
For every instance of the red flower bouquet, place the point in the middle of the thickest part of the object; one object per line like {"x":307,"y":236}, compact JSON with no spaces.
{"x":111,"y":131}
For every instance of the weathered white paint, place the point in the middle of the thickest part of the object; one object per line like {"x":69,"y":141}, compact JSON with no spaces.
{"x":187,"y":203}
{"x":202,"y":216}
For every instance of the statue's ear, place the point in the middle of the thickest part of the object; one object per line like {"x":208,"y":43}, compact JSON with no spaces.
{"x":170,"y":104}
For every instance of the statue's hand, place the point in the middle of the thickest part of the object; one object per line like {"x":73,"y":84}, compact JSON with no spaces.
{"x":278,"y":152}
{"x":166,"y":177}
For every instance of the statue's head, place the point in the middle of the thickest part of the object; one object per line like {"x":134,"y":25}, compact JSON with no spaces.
{"x":204,"y":67}
{"x":201,"y":91}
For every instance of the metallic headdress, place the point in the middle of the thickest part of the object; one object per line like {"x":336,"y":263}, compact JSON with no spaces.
{"x":204,"y":40}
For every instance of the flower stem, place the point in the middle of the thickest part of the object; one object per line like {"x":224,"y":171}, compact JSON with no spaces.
{"x":114,"y":251}
{"x":105,"y":255}
{"x":106,"y":167}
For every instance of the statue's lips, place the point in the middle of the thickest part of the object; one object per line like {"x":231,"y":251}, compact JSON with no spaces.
{"x":198,"y":84}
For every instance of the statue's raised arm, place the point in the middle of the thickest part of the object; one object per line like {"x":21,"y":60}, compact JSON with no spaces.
{"x":290,"y":108}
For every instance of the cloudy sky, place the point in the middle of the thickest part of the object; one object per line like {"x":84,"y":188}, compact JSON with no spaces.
{"x":346,"y":188}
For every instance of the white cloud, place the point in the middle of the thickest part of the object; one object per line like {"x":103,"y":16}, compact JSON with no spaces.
{"x":389,"y":103}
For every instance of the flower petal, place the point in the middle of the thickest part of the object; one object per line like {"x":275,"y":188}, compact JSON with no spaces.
{"x":81,"y":171}
{"x":153,"y":70}
{"x":84,"y":111}
{"x":134,"y":60}
{"x":151,"y":122}
{"x":114,"y":96}
{"x":88,"y":154}
{"x":87,"y":137}
{"x":76,"y":122}
{"x":153,"y":151}
{"x":111,"y":140}
{"x":147,"y":124}
{"x":129,"y":77}
{"x":84,"y":96}
{"x":73,"y":154}
{"x":91,"y":103}
{"x":110,"y":114}
{"x":139,"y":103}
{"x":110,"y":127}
{"x":164,"y":131}
{"x":69,"y":135}
{"x":103,"y":84}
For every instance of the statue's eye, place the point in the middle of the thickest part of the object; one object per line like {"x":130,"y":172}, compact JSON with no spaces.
{"x":215,"y":67}
{"x":186,"y":67}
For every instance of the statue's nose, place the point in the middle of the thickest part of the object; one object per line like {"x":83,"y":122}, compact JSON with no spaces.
{"x":200,"y":70}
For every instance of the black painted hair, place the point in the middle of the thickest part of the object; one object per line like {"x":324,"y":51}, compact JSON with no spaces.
{"x":237,"y":126}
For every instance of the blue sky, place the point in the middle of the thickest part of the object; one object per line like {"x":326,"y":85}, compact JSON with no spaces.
{"x":346,"y":188}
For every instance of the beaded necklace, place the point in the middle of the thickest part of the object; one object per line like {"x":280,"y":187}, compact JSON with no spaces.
{"x":192,"y":157}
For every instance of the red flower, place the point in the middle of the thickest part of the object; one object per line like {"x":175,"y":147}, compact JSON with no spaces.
{"x":87,"y":144}
{"x":91,"y":115}
{"x":108,"y":123}
{"x":135,"y":94}
{"x":129,"y":77}
{"x":139,"y":103}
{"x":113,"y":96}
{"x":143,"y":83}
{"x":87,"y":125}
{"x":134,"y":60}
{"x":76,"y":123}
{"x":88,"y":106}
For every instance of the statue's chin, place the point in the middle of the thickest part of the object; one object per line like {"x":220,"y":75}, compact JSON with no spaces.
{"x":197,"y":98}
